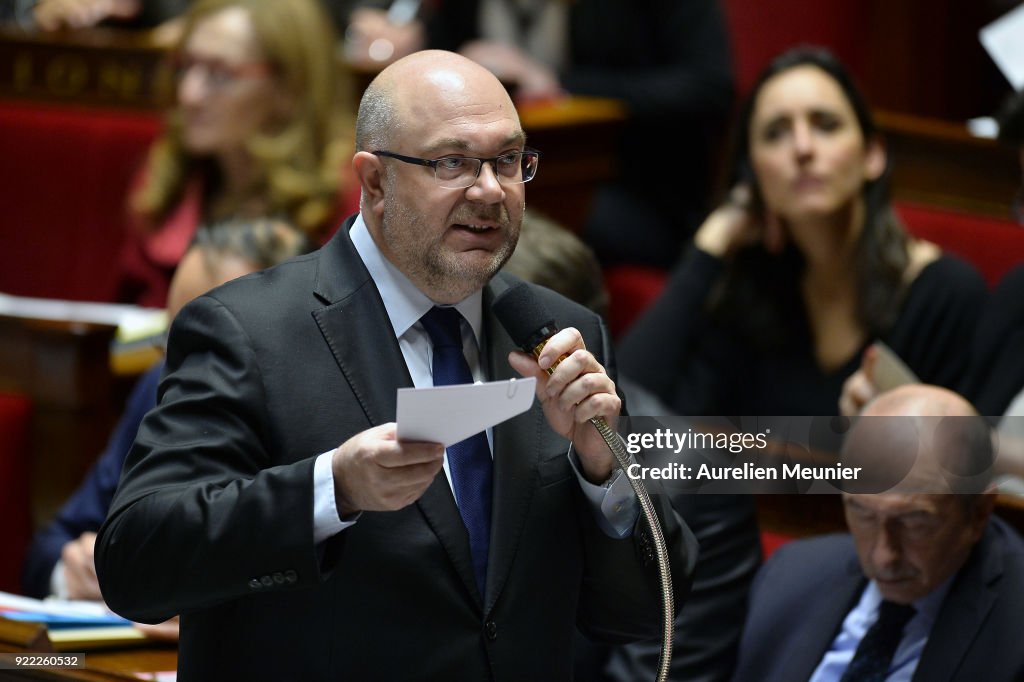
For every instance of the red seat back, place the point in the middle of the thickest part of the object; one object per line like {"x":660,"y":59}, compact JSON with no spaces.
{"x":15,"y":504}
{"x":62,"y":199}
{"x":990,"y":244}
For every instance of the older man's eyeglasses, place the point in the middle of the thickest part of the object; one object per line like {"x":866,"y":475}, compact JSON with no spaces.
{"x":459,"y":172}
{"x":218,"y":74}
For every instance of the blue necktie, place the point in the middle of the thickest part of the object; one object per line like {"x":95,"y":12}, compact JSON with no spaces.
{"x":469,"y":460}
{"x":874,"y":654}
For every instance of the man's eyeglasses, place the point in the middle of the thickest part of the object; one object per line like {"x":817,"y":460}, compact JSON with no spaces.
{"x":459,"y":172}
{"x":217,"y":73}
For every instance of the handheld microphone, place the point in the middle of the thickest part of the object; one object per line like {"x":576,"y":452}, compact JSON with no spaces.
{"x":530,"y":324}
{"x":526,"y":319}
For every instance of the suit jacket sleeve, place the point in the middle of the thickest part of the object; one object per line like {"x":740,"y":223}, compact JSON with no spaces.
{"x":202,"y":510}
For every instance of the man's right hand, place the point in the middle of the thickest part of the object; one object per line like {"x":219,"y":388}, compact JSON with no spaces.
{"x":374,"y":471}
{"x":80,"y":568}
{"x":859,"y":389}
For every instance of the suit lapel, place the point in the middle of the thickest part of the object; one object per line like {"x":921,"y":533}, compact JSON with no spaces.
{"x":515,"y":457}
{"x":374,"y":368}
{"x":371,"y":362}
{"x":821,"y":623}
{"x":963,"y":611}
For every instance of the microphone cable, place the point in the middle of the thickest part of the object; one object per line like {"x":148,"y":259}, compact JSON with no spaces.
{"x":530,"y":325}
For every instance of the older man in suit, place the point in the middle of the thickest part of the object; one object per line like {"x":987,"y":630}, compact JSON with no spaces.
{"x":267,"y":498}
{"x":925,"y":587}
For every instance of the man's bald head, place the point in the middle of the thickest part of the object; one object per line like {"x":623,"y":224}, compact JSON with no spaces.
{"x":925,"y":436}
{"x":919,"y":400}
{"x":420,"y":81}
{"x":911,"y":538}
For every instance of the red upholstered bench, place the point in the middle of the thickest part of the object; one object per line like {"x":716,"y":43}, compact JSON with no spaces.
{"x":65,"y":176}
{"x":990,"y":244}
{"x":15,"y":507}
{"x":631,"y":288}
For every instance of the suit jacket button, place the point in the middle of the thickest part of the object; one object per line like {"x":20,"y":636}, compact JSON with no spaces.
{"x":491,"y":630}
{"x":267,"y":581}
{"x":291,"y":576}
{"x":254,"y":584}
{"x":279,"y":578}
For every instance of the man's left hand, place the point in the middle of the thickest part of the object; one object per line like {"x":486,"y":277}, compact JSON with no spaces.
{"x":578,"y":390}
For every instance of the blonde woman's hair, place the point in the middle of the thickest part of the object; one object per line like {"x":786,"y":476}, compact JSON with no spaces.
{"x":302,"y":159}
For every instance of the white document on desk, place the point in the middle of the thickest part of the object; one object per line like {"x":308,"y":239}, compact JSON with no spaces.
{"x":448,"y":414}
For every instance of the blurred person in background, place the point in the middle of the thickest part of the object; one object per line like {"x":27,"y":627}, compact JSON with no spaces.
{"x":927,"y":585}
{"x":668,"y":61}
{"x":997,"y":377}
{"x":60,"y":559}
{"x":55,"y":15}
{"x":803,"y":267}
{"x":258,"y":129}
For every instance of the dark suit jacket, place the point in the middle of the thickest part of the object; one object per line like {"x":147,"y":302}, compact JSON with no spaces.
{"x":804,"y":592}
{"x":213,"y":516}
{"x":997,"y":365}
{"x":87,"y":507}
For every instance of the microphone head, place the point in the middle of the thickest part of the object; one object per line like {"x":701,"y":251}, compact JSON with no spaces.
{"x":524,"y":316}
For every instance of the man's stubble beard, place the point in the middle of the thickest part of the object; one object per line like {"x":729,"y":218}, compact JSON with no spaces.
{"x":442,"y":274}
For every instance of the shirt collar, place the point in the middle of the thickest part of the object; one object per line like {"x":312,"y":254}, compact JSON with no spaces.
{"x":404,"y":302}
{"x":926,"y":608}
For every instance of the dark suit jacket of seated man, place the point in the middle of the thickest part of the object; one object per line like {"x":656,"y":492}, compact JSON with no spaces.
{"x":220,"y":517}
{"x":814,"y":600}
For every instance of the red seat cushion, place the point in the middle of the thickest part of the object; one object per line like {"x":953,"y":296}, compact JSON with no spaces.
{"x":772,"y":541}
{"x":990,"y":244}
{"x":15,"y":503}
{"x":631,"y":288}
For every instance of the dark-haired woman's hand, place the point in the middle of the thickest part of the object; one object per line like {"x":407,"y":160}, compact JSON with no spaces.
{"x":859,"y":388}
{"x":734,"y":225}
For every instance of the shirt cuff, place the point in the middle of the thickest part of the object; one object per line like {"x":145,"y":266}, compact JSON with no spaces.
{"x":58,"y":581}
{"x":614,"y":503}
{"x":326,"y":521}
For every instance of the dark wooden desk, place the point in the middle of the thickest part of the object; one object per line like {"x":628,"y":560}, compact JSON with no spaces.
{"x":64,"y":368}
{"x":577,"y":138}
{"x":97,"y":67}
{"x":103,"y":666}
{"x":939,"y":163}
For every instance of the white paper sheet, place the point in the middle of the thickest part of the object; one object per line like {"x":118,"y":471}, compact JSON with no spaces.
{"x":890,"y":370}
{"x":1004,"y":41}
{"x":448,"y":414}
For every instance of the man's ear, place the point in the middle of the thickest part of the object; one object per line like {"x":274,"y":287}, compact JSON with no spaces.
{"x":370,"y":172}
{"x":875,"y":159}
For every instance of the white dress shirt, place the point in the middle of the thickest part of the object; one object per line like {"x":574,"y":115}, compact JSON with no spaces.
{"x":859,"y":621}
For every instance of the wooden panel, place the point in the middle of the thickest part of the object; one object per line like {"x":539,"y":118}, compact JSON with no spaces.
{"x":63,"y":368}
{"x":577,"y":138}
{"x":940,"y":163}
{"x":97,"y":67}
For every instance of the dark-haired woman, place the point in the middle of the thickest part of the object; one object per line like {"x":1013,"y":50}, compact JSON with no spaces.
{"x":791,"y":280}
